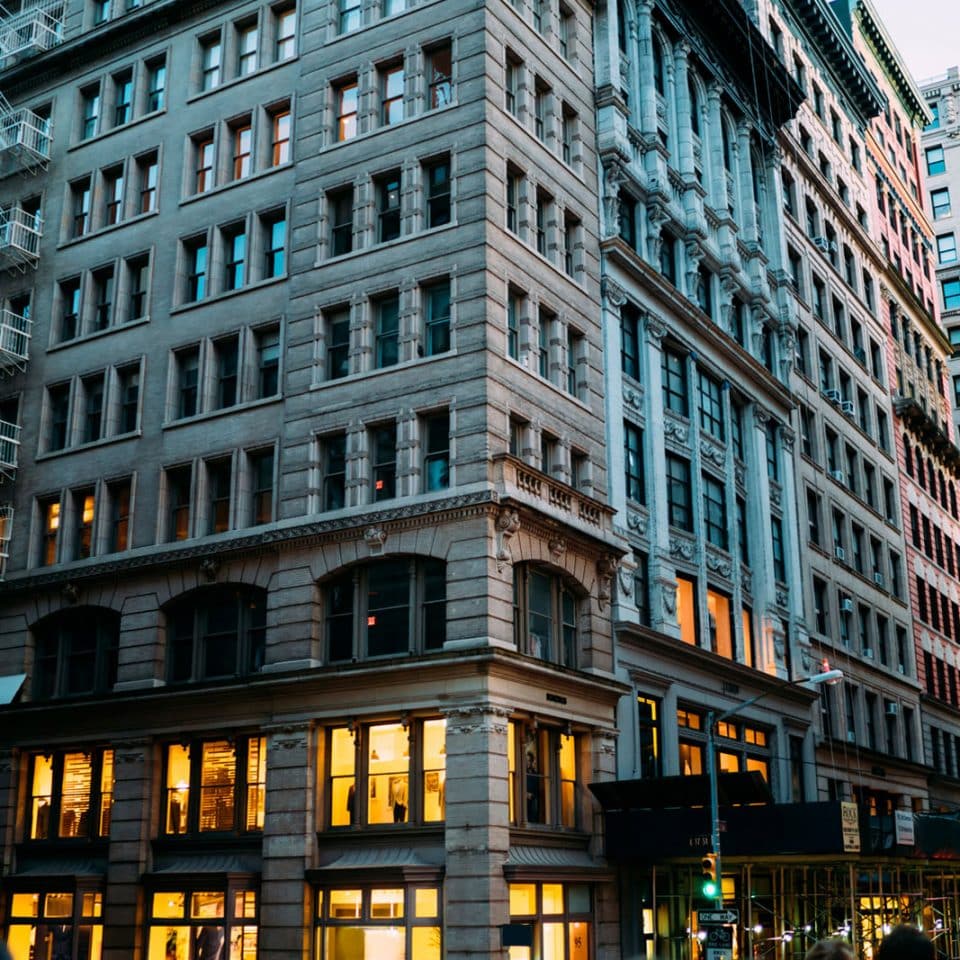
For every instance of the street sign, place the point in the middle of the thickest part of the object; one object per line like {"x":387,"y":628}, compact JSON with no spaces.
{"x":719,"y":938}
{"x":713,"y":917}
{"x":718,"y":953}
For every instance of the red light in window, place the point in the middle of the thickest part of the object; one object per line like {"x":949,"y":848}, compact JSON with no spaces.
{"x":371,"y":621}
{"x":379,"y":485}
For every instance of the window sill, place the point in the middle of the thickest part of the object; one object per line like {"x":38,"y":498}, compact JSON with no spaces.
{"x":387,"y":245}
{"x":92,"y":445}
{"x":227,"y":294}
{"x":223,"y":187}
{"x":100,"y":231}
{"x":380,"y":371}
{"x":223,"y":411}
{"x":371,"y":831}
{"x":96,"y":138}
{"x":234,"y":81}
{"x":97,"y":334}
{"x":387,"y":127}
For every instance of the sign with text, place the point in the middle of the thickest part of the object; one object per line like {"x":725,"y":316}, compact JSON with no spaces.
{"x":850,"y":825}
{"x":708,"y":917}
{"x":903,"y":827}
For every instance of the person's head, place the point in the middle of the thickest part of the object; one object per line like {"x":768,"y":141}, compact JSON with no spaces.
{"x":832,"y":949}
{"x":4,"y":952}
{"x":906,"y":943}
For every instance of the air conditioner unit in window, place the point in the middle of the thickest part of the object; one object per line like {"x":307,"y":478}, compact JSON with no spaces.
{"x":832,"y":395}
{"x":868,"y":652}
{"x":851,"y":736}
{"x":900,"y":668}
{"x":836,"y":475}
{"x":821,"y":243}
{"x":892,"y":708}
{"x":840,"y":553}
{"x":878,"y":579}
{"x":846,"y":406}
{"x":846,"y":605}
{"x":860,"y":354}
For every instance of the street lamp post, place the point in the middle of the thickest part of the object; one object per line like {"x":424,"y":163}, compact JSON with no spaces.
{"x":829,"y":676}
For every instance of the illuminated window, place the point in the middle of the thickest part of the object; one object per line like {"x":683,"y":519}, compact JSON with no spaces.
{"x":379,"y":923}
{"x":71,"y":794}
{"x":388,"y":608}
{"x":648,"y":744}
{"x":75,"y":652}
{"x":387,"y":773}
{"x":720,"y":623}
{"x":687,"y":609}
{"x":49,"y":511}
{"x":185,"y":923}
{"x":543,"y":764}
{"x":545,"y":615}
{"x":216,"y":632}
{"x":53,"y":923}
{"x":561,"y":917}
{"x":215,"y":786}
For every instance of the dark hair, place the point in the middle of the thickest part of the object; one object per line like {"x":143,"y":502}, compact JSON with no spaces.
{"x":832,"y":949}
{"x":906,"y":943}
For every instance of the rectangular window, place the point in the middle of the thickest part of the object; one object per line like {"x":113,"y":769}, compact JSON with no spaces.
{"x":711,"y":406}
{"x":122,"y":98}
{"x":242,"y":137}
{"x":118,"y":495}
{"x":340,"y":207}
{"x":219,"y":488}
{"x":84,"y":503}
{"x":128,"y":385}
{"x":138,"y":279}
{"x":936,"y":162}
{"x":235,"y":257}
{"x":188,"y":374}
{"x":286,"y":33}
{"x":351,"y":14}
{"x":347,"y":99}
{"x":178,"y":484}
{"x":674,"y":373}
{"x":247,"y":42}
{"x":391,"y":94}
{"x":680,"y":513}
{"x":89,"y":112}
{"x":947,"y":248}
{"x":156,"y":84}
{"x":387,"y":334}
{"x":779,"y":560}
{"x":80,"y":206}
{"x":383,"y":461}
{"x":93,"y":393}
{"x":70,"y":795}
{"x":337,"y":325}
{"x":260,"y":467}
{"x":147,"y":168}
{"x":103,"y":291}
{"x":226,"y":352}
{"x":49,"y":511}
{"x":333,"y":459}
{"x":211,"y":52}
{"x":633,"y":462}
{"x":58,"y":407}
{"x":514,"y":183}
{"x":437,"y":176}
{"x":951,"y":294}
{"x":112,"y":196}
{"x":440,"y":73}
{"x":196,"y":256}
{"x":280,"y":126}
{"x":940,"y":203}
{"x":515,"y":303}
{"x":511,"y":85}
{"x":388,"y":206}
{"x":575,"y":347}
{"x":715,"y":512}
{"x":630,"y":341}
{"x":274,"y":230}
{"x":436,"y":306}
{"x":436,"y":457}
{"x":267,"y":346}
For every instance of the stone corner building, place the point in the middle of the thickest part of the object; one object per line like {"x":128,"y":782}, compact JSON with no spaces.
{"x":308,"y":565}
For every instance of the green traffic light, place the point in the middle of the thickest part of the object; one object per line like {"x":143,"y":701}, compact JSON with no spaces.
{"x":709,"y":888}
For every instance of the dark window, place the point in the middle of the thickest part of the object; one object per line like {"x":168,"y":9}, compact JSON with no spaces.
{"x":219,"y":489}
{"x":179,"y":480}
{"x":235,"y":243}
{"x":438,"y":192}
{"x":679,"y":509}
{"x":440,"y":70}
{"x":387,"y":608}
{"x":118,"y":494}
{"x":275,"y":240}
{"x":268,"y":362}
{"x":226,"y":357}
{"x":674,"y":372}
{"x":387,"y":342}
{"x":436,"y":456}
{"x":711,"y":406}
{"x":545,"y":615}
{"x":715,"y":512}
{"x":333,"y":455}
{"x":216,"y":632}
{"x":338,"y":344}
{"x":633,"y":461}
{"x":76,"y":653}
{"x":341,"y":221}
{"x":630,"y":341}
{"x":436,"y":307}
{"x":261,"y":486}
{"x":383,"y":460}
{"x":388,"y":206}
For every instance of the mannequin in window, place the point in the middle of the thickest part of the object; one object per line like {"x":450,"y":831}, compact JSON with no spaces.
{"x":209,"y":943}
{"x":398,"y":790}
{"x":42,"y":827}
{"x":533,"y":789}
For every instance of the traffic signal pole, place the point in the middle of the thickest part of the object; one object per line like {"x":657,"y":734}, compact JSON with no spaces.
{"x":714,"y":809}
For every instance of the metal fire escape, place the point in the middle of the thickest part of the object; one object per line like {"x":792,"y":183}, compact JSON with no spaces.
{"x":25,"y":147}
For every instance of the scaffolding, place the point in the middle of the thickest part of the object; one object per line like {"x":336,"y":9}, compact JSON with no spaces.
{"x":24,"y":140}
{"x":35,"y":27}
{"x":14,"y":342}
{"x":20,"y":234}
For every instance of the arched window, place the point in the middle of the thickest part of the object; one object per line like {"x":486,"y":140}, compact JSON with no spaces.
{"x":76,"y":652}
{"x":546,"y":614}
{"x":216,"y":633}
{"x":921,"y":476}
{"x":908,"y":455}
{"x":694,"y":105}
{"x":659,"y":74}
{"x":387,"y":608}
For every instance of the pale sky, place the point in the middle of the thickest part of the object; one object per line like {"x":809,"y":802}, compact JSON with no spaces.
{"x":926,"y":32}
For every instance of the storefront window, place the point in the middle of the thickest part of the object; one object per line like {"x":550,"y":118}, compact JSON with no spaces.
{"x":56,"y":924}
{"x":188,"y":924}
{"x":379,"y":923}
{"x":560,"y":914}
{"x":740,"y":748}
{"x":71,"y":794}
{"x":545,"y":792}
{"x":215,"y":786}
{"x":387,"y":773}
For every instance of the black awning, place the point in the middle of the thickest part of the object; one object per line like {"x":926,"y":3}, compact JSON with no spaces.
{"x":660,"y":793}
{"x":773,"y":829}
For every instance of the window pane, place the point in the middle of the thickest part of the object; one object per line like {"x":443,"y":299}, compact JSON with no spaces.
{"x":523,"y":899}
{"x":553,"y":898}
{"x":168,"y":904}
{"x":343,"y":788}
{"x":345,"y":904}
{"x":178,"y":787}
{"x":365,"y":943}
{"x":207,"y":905}
{"x":386,"y":903}
{"x":217,"y":781}
{"x":75,"y":798}
{"x":42,"y":796}
{"x":434,"y":777}
{"x":426,"y":943}
{"x":389,"y":764}
{"x":388,"y":608}
{"x":426,"y":902}
{"x":552,"y":947}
